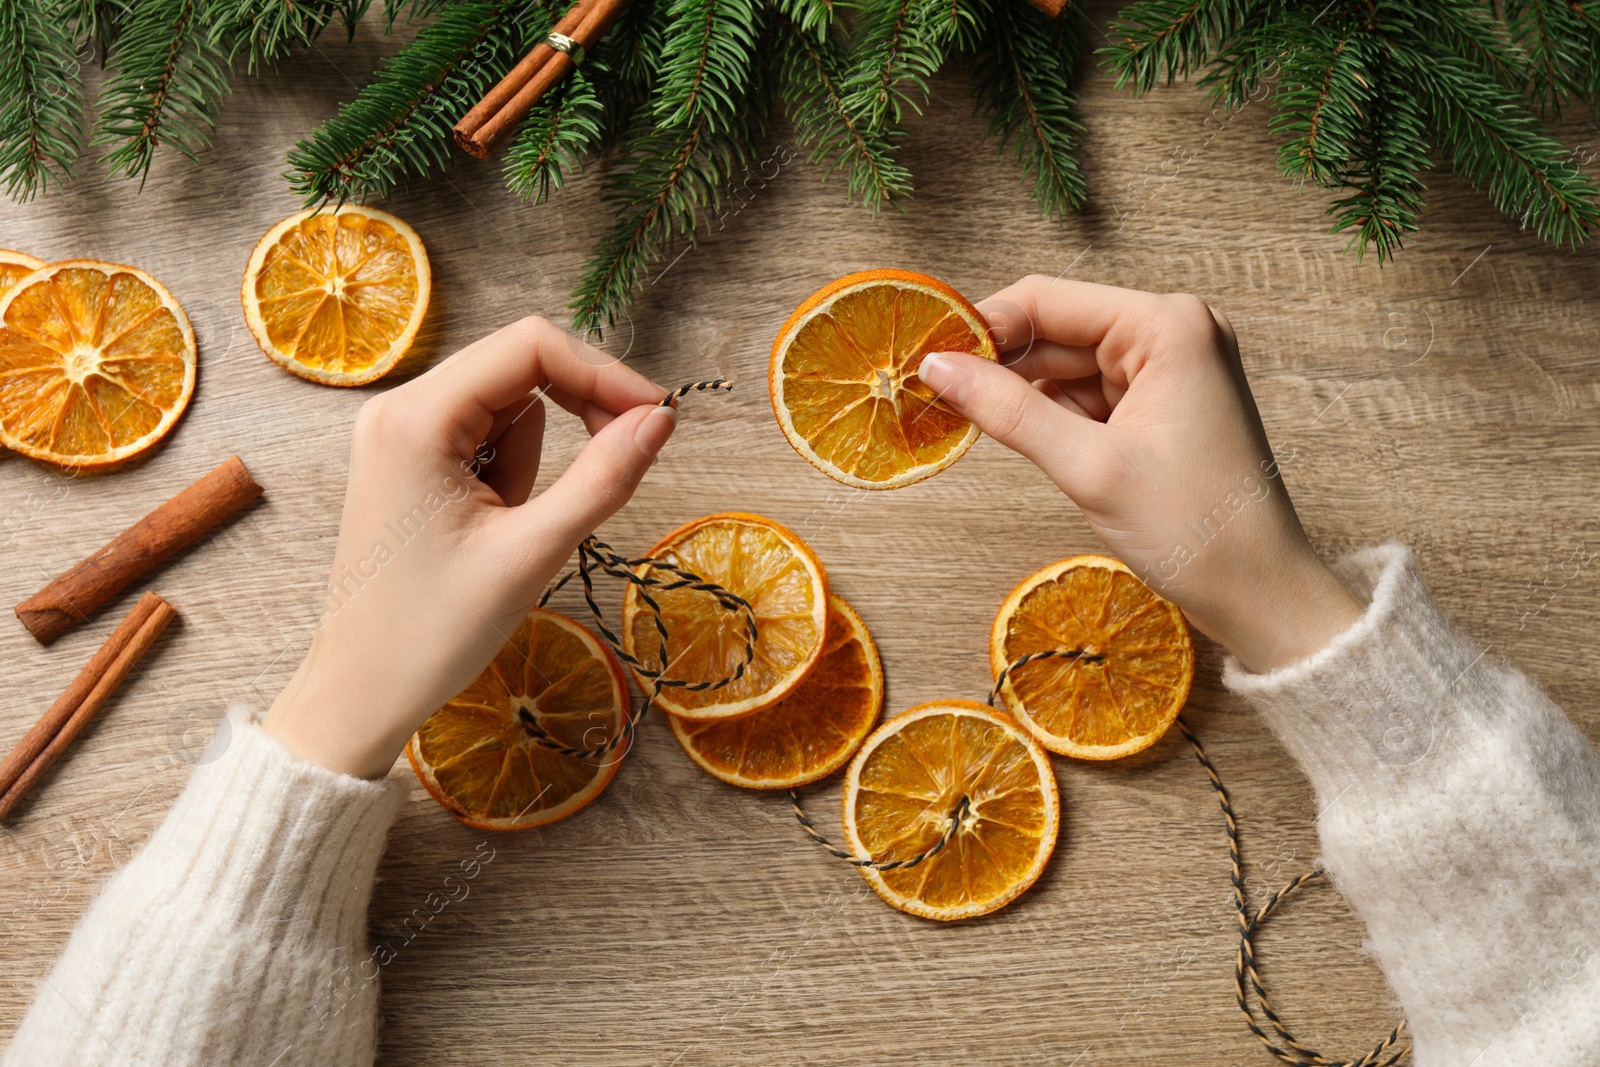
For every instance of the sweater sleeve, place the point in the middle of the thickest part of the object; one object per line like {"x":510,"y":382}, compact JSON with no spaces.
{"x":236,"y":934}
{"x":1460,"y":817}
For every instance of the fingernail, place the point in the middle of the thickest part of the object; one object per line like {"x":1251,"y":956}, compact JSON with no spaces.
{"x":655,"y":428}
{"x":946,"y":377}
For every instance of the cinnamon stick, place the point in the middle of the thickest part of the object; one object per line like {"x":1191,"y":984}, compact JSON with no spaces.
{"x":41,"y":746}
{"x":514,"y":80}
{"x":486,"y":125}
{"x":75,"y":595}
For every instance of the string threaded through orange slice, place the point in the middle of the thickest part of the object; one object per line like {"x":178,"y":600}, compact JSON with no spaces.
{"x":1132,"y":678}
{"x":844,"y":383}
{"x":337,"y":297}
{"x":754,"y":558}
{"x":97,"y":363}
{"x":906,"y":784}
{"x":808,"y":734}
{"x":477,"y":758}
{"x":13,"y":267}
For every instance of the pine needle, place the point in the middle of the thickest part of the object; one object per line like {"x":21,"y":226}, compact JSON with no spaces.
{"x":811,"y":71}
{"x":41,"y":105}
{"x":169,"y":77}
{"x":1022,"y":79}
{"x":398,"y":129}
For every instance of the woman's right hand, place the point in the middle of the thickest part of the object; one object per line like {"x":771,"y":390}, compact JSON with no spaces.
{"x":1136,"y":405}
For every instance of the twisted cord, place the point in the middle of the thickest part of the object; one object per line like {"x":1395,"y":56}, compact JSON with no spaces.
{"x":1246,"y":973}
{"x":594,"y":555}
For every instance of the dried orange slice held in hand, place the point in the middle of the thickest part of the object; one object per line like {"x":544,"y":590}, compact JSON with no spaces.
{"x":1132,"y":679}
{"x":906,"y":784}
{"x":97,"y":362}
{"x":751,"y":557}
{"x":337,"y":296}
{"x":844,"y":379}
{"x":476,"y":756}
{"x":13,"y":266}
{"x":808,"y":734}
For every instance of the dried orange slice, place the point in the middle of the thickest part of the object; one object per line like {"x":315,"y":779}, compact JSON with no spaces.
{"x":808,"y":734}
{"x":751,"y":557}
{"x":1117,"y":698}
{"x":844,"y":379}
{"x":906,"y":784}
{"x":97,"y":362}
{"x":337,"y":296}
{"x":476,"y":756}
{"x":13,"y":265}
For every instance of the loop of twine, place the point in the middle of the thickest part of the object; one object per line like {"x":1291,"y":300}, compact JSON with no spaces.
{"x":963,"y":808}
{"x":595,"y":555}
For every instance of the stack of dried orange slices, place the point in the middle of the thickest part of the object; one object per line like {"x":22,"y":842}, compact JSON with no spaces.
{"x":97,"y":361}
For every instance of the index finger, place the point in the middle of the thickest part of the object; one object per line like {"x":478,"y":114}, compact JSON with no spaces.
{"x":532,"y":354}
{"x":1068,"y":312}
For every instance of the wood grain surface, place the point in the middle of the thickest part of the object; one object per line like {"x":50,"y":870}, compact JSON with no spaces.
{"x":1448,"y":401}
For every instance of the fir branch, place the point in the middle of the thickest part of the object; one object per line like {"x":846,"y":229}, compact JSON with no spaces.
{"x":399,"y":127}
{"x":708,"y":53}
{"x":1156,"y":41}
{"x":1468,"y":28}
{"x":566,"y":126}
{"x":1383,"y":180}
{"x":669,"y":180}
{"x":1562,"y":40}
{"x":1251,"y":57}
{"x":810,"y":78}
{"x":894,"y":54}
{"x":169,"y":78}
{"x":1325,"y":83}
{"x":1497,"y":145}
{"x":95,"y":23}
{"x":812,"y":17}
{"x":1022,"y":78}
{"x":41,"y":109}
{"x":266,"y":31}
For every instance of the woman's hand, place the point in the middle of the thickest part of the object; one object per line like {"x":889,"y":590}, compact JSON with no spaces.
{"x":1136,"y":405}
{"x":441,"y":552}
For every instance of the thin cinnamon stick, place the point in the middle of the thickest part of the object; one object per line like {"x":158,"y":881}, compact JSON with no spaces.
{"x":83,"y":699}
{"x":516,"y":78}
{"x":75,"y":595}
{"x":543,"y":68}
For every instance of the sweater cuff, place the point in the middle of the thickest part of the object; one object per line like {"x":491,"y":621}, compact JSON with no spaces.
{"x":274,"y":839}
{"x":1366,"y":706}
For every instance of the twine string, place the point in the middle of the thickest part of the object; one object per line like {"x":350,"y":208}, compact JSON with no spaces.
{"x":594,"y":555}
{"x":962,"y":810}
{"x":1246,"y":973}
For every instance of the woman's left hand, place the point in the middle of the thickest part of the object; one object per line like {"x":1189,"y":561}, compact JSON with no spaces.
{"x":441,"y":551}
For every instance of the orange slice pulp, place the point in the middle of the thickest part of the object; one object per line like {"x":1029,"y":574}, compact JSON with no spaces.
{"x":905,"y":786}
{"x":97,"y":363}
{"x":13,"y":266}
{"x":844,"y":383}
{"x":808,"y":734}
{"x":1132,"y":678}
{"x":754,"y":558}
{"x":337,"y":297}
{"x":476,"y":756}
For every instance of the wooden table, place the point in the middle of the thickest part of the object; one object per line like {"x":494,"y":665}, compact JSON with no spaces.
{"x":1448,"y":400}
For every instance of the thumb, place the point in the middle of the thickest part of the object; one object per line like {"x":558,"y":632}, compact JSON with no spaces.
{"x":1006,"y":406}
{"x":600,"y":480}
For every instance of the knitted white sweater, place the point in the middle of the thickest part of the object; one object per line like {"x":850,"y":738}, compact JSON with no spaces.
{"x":1460,"y":817}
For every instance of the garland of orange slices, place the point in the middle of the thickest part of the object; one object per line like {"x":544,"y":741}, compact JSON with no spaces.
{"x":769,"y":680}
